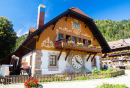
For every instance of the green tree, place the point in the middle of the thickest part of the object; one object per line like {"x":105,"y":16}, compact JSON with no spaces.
{"x":7,"y":37}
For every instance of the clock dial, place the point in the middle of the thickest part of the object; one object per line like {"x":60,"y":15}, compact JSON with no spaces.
{"x":76,"y":62}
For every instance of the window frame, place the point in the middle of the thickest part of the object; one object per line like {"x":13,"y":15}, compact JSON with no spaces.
{"x":76,"y":25}
{"x":52,"y":60}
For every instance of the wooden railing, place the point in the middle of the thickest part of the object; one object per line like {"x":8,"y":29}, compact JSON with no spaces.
{"x":63,"y":43}
{"x":51,"y":78}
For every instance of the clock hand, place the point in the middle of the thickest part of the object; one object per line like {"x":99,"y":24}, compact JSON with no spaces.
{"x":78,"y":62}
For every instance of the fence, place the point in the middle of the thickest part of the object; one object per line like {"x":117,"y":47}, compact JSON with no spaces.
{"x":51,"y":78}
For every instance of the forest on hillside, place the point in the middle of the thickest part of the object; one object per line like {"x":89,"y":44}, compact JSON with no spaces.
{"x":111,"y":30}
{"x":114,"y":30}
{"x":20,"y":40}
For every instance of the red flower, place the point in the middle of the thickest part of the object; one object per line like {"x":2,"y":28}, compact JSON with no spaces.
{"x":28,"y":86}
{"x":31,"y":79}
{"x":111,"y":84}
{"x":36,"y":81}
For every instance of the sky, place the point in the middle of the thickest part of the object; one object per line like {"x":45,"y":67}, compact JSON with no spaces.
{"x":23,"y":13}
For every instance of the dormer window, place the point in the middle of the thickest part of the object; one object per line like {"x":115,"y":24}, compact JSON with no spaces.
{"x":76,"y":25}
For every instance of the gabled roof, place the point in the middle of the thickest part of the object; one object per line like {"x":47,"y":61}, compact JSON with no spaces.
{"x":78,"y":13}
{"x":31,"y":30}
{"x":119,"y":43}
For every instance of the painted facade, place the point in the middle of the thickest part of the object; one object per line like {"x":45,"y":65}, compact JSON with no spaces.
{"x":47,"y":49}
{"x":46,"y":45}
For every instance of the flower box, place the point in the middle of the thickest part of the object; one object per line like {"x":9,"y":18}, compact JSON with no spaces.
{"x":80,"y":44}
{"x":121,"y":51}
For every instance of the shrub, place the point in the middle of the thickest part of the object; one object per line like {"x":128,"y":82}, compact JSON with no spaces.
{"x":112,"y":86}
{"x":110,"y":69}
{"x":95,"y":71}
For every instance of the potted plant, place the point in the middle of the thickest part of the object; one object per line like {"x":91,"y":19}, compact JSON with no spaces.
{"x":90,"y":46}
{"x":111,"y":57}
{"x":121,"y":51}
{"x":117,"y":52}
{"x":125,"y":50}
{"x":98,"y":47}
{"x":114,"y":52}
{"x":70,"y":42}
{"x":31,"y":83}
{"x":126,"y":56}
{"x":79,"y":44}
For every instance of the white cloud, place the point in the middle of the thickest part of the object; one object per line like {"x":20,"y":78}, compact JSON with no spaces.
{"x":19,"y":32}
{"x":46,"y":12}
{"x":25,"y":30}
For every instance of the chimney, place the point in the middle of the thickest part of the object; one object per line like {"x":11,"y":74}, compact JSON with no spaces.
{"x":41,"y":16}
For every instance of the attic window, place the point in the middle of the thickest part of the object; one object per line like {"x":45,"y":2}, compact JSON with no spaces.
{"x":113,"y":46}
{"x":76,"y":25}
{"x":122,"y":44}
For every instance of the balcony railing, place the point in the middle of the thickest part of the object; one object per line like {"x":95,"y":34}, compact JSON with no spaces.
{"x":70,"y":45}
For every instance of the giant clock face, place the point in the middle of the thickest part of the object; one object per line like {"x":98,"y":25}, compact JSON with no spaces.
{"x":77,"y":62}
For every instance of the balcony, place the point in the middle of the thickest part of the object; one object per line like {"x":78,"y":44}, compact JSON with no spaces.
{"x":64,"y":44}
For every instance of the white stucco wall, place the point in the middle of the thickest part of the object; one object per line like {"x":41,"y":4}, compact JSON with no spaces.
{"x":45,"y":62}
{"x":98,"y":62}
{"x":62,"y":63}
{"x":88,"y":63}
{"x":27,"y":56}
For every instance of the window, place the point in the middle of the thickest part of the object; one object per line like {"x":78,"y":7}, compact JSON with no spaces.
{"x":52,"y":60}
{"x":94,"y":62}
{"x":84,"y":41}
{"x":79,"y":40}
{"x":74,"y":39}
{"x":60,"y":36}
{"x":68,"y":37}
{"x":89,"y":42}
{"x":76,"y":25}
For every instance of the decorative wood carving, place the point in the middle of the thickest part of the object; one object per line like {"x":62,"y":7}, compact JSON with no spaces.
{"x":47,"y":43}
{"x":67,"y":55}
{"x":88,"y":57}
{"x":93,"y":57}
{"x":59,"y":55}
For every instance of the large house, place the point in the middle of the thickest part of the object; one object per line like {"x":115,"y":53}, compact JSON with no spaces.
{"x":120,"y":53}
{"x":69,"y":42}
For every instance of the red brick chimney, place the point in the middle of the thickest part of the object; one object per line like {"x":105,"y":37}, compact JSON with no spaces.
{"x":41,"y":16}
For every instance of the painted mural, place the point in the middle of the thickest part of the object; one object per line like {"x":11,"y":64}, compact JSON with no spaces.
{"x":47,"y":43}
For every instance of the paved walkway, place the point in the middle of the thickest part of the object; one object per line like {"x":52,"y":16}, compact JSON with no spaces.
{"x":124,"y":79}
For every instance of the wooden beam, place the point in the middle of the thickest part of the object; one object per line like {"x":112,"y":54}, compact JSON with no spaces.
{"x":67,"y":55}
{"x":54,"y":25}
{"x":66,"y":17}
{"x":93,"y":57}
{"x":38,"y":37}
{"x":59,"y":55}
{"x":88,"y":57}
